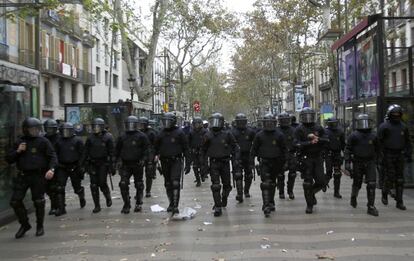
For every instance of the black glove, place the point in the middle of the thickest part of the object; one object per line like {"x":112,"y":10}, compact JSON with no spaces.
{"x":187,"y":169}
{"x":112,"y":169}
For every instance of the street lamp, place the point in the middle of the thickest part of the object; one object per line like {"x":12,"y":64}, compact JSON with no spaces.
{"x":185,"y":107}
{"x":131,"y":81}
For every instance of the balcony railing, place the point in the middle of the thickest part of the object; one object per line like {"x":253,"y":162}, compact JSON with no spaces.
{"x":4,"y":52}
{"x":27,"y":57}
{"x":56,"y":68}
{"x":398,"y":57}
{"x":88,"y":39}
{"x":324,"y":86}
{"x":63,"y":23}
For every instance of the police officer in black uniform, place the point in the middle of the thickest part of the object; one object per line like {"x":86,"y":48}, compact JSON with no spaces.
{"x":69,"y":149}
{"x":291,"y":162}
{"x":361,"y":150}
{"x":151,"y":133}
{"x":51,"y":133}
{"x":36,"y":160}
{"x":333,"y":156}
{"x":220,"y":147}
{"x":99,"y":150}
{"x":394,"y":140}
{"x":244,"y":137}
{"x":133,"y":150}
{"x":269,"y":146}
{"x":171,"y":147}
{"x":294,"y":123}
{"x":310,"y":140}
{"x":195,"y":141}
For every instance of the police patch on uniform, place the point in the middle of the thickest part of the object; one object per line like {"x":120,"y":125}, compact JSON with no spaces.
{"x":370,"y":142}
{"x":247,"y":137}
{"x":402,"y":133}
{"x":172,"y":140}
{"x":223,"y":141}
{"x":103,"y":144}
{"x":274,"y":142}
{"x":134,"y":143}
{"x":72,"y":148}
{"x":34,"y":150}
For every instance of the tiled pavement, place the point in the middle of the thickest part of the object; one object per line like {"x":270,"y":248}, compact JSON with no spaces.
{"x":335,"y":230}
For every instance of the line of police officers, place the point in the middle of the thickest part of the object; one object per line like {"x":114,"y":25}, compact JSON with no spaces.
{"x":45,"y":163}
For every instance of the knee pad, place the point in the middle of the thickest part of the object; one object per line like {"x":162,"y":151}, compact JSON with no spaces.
{"x":238,"y":175}
{"x":175,"y":184}
{"x":94,"y":187}
{"x":337,"y":174}
{"x":265,"y":185}
{"x":227,"y":188}
{"x":292,"y":175}
{"x":60,"y":189}
{"x":216,"y":187}
{"x":39,"y":203}
{"x":139,"y":185}
{"x":371,"y":185}
{"x":400,"y":182}
{"x":307,"y":185}
{"x":123,"y":184}
{"x":16,"y":203}
{"x":167,"y":185}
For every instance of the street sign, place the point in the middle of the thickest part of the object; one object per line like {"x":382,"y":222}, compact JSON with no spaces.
{"x":196,"y":106}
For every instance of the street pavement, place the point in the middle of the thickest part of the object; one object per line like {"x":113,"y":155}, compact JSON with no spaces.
{"x":335,"y":231}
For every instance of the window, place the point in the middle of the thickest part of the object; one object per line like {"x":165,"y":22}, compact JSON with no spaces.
{"x":402,"y":41}
{"x":402,"y":7}
{"x":98,"y":75}
{"x":85,"y":94}
{"x":61,"y":93}
{"x":74,"y":93}
{"x":115,"y":81}
{"x":115,"y":60}
{"x":404,"y":78}
{"x":106,"y":78}
{"x":98,"y":50}
{"x":106,"y":55}
{"x":48,"y":99}
{"x":394,"y":80}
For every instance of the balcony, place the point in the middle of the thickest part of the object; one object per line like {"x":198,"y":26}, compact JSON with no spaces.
{"x":70,"y":72}
{"x":27,"y":57}
{"x":324,"y":86}
{"x":398,"y":57}
{"x":4,"y":52}
{"x":88,"y":39}
{"x":63,"y":23}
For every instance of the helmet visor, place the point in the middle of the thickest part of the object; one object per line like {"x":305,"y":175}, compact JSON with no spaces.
{"x":34,"y":131}
{"x":67,"y":133}
{"x":364,"y":124}
{"x":241,"y":124}
{"x":216,"y":123}
{"x":167,"y":123}
{"x":97,"y":128}
{"x":50,"y":131}
{"x":307,"y":118}
{"x":130,"y":126}
{"x":269,"y":125}
{"x":142,"y":125}
{"x":332,"y":124}
{"x":285,"y":122}
{"x":197,"y":125}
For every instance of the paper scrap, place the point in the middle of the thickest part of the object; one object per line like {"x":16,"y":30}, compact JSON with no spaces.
{"x":157,"y":208}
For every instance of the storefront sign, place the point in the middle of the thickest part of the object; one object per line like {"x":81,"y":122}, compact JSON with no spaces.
{"x":18,"y":76}
{"x":299,"y":98}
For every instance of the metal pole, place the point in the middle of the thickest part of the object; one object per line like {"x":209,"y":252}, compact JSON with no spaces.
{"x":381,"y":44}
{"x":410,"y":71}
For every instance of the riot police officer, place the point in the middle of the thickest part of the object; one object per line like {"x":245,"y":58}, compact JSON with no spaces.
{"x":310,"y":140}
{"x":133,"y":150}
{"x":36,"y":160}
{"x":151,"y":133}
{"x":290,"y":165}
{"x":361,"y":150}
{"x":270,"y":148}
{"x":69,"y":149}
{"x":244,"y":137}
{"x":294,"y":123}
{"x":333,"y":156}
{"x":99,"y":150}
{"x":171,"y":146}
{"x":394,"y":139}
{"x":51,"y":133}
{"x":220,"y":147}
{"x":195,"y":141}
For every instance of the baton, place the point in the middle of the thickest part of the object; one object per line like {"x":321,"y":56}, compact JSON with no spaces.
{"x":182,"y":174}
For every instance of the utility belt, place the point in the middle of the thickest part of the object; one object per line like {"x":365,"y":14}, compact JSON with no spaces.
{"x":360,"y":160}
{"x":98,"y":161}
{"x":33,"y":172}
{"x":222,"y":159}
{"x":69,"y":165}
{"x":393,"y":152}
{"x":171,"y":158}
{"x":134,"y":163}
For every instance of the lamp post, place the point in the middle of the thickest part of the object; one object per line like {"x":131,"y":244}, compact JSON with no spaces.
{"x":131,"y":81}
{"x":185,"y":107}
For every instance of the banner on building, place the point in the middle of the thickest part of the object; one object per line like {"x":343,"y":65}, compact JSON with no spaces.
{"x":299,"y":98}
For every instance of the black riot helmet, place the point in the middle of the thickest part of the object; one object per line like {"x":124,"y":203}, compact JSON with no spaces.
{"x":269,"y":122}
{"x":143,"y":123}
{"x":151,"y":123}
{"x":216,"y":121}
{"x":205,"y":124}
{"x":168,"y":120}
{"x":284,"y":119}
{"x":67,"y":130}
{"x":187,"y":124}
{"x":332,"y":123}
{"x":394,"y":113}
{"x":197,"y":123}
{"x":307,"y":116}
{"x":50,"y":127}
{"x":363,"y":122}
{"x":98,"y":125}
{"x":131,"y":123}
{"x":241,"y":121}
{"x":32,"y":127}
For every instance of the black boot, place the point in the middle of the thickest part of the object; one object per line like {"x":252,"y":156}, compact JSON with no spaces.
{"x":384,"y":197}
{"x":139,"y":196}
{"x":127,"y":200}
{"x":40,"y":216}
{"x":170,"y":200}
{"x":290,"y":184}
{"x":81,"y":195}
{"x":175,"y":200}
{"x":371,"y":200}
{"x":266,"y":191}
{"x":309,"y":197}
{"x":148,"y":186}
{"x":61,"y":209}
{"x":281,"y":185}
{"x":399,"y":197}
{"x":53,"y":204}
{"x":247,"y":185}
{"x":21,"y":214}
{"x":354,"y":195}
{"x":108,"y":198}
{"x":198,"y":178}
{"x":215,"y":189}
{"x":95,"y":197}
{"x":272,"y":192}
{"x":337,"y":185}
{"x":224,"y":196}
{"x":239,"y":187}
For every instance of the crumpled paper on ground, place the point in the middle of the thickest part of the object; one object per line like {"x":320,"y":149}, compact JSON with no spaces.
{"x":185,"y":214}
{"x":157,"y":208}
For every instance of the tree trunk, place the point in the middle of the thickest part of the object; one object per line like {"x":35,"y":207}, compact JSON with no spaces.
{"x":158,"y":20}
